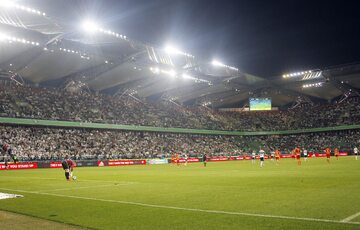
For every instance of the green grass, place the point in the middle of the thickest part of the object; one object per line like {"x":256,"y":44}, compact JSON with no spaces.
{"x":98,"y":198}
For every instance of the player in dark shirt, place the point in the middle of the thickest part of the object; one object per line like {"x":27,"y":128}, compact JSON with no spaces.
{"x":204,"y":158}
{"x":68,"y":165}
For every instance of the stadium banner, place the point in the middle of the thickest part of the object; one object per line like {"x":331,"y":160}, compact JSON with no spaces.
{"x":126,"y":162}
{"x":31,"y":165}
{"x":88,"y":163}
{"x":286,"y":156}
{"x":102,"y":163}
{"x":190,"y":160}
{"x":219,"y":159}
{"x":265,"y":157}
{"x":239,"y":158}
{"x":43,"y":164}
{"x":234,"y":158}
{"x":157,"y":161}
{"x":55,"y":165}
{"x":317,"y":155}
{"x":324,"y":154}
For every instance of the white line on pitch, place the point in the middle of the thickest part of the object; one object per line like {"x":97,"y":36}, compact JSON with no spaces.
{"x":347,"y":219}
{"x":187,"y":209}
{"x":87,"y":180}
{"x":76,"y":188}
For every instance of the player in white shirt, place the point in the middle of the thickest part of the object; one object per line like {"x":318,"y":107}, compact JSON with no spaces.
{"x":253,"y":157}
{"x":186,"y":159}
{"x":272,"y":154}
{"x":356,"y":153}
{"x":305,"y":152}
{"x":262,"y":157}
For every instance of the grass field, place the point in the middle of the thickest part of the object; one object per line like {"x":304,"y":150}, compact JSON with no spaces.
{"x":226,"y":195}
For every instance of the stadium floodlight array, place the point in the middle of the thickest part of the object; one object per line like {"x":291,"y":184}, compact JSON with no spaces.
{"x":312,"y":75}
{"x":82,"y":55}
{"x":172,"y":73}
{"x":186,"y":76}
{"x":318,"y":84}
{"x":11,"y":39}
{"x":305,"y":75}
{"x":12,"y":5}
{"x":197,"y":80}
{"x":206,"y":103}
{"x":92,"y":27}
{"x":156,"y":70}
{"x":218,"y":63}
{"x":132,"y":92}
{"x":296,"y":74}
{"x":173,"y":50}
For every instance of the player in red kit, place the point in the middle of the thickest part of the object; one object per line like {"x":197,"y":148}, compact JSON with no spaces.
{"x":68,"y":165}
{"x":328,"y":153}
{"x":297,"y":152}
{"x":337,"y":153}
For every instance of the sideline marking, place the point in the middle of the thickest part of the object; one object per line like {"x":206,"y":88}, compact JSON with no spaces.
{"x":187,"y":209}
{"x":87,"y":180}
{"x":347,"y":219}
{"x":76,"y":188}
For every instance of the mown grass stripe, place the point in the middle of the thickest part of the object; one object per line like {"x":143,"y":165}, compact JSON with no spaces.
{"x":188,"y":209}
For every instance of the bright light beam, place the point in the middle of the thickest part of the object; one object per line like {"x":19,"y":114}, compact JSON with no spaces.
{"x":217,"y":63}
{"x":6,"y":3}
{"x":186,"y":76}
{"x":89,"y":26}
{"x":172,"y":50}
{"x":2,"y":36}
{"x":171,"y":72}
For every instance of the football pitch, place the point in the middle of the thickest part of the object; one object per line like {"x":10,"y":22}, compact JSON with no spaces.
{"x":224,"y":195}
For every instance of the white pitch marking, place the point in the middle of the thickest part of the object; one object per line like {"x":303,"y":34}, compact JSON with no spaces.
{"x":88,"y":180}
{"x":187,"y":209}
{"x":76,"y":188}
{"x":347,"y":219}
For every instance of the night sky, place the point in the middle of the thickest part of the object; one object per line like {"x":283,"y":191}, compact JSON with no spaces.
{"x":265,"y":38}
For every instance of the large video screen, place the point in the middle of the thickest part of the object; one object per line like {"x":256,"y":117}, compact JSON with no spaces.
{"x":257,"y":104}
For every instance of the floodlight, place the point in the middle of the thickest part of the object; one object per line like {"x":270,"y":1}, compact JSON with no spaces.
{"x":6,"y":3}
{"x":186,"y":76}
{"x":172,"y":50}
{"x":2,"y":37}
{"x":172,"y":73}
{"x":216,"y":63}
{"x":155,"y":70}
{"x":90,"y":26}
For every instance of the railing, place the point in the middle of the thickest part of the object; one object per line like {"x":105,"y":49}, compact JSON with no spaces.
{"x":89,"y":125}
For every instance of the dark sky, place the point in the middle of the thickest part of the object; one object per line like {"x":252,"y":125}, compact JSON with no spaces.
{"x":265,"y":38}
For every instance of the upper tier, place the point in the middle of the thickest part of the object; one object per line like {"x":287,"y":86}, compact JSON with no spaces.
{"x":58,"y":104}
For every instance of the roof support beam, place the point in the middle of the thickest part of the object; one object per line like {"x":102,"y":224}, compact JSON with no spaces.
{"x":93,"y":72}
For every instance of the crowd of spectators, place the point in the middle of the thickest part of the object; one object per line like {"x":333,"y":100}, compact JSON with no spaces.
{"x":59,"y":104}
{"x":38,"y":143}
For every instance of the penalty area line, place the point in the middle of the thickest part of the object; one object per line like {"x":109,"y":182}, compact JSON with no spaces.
{"x":186,"y":209}
{"x":347,"y":219}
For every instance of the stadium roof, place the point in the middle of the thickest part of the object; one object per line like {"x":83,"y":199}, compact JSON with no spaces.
{"x":42,"y":50}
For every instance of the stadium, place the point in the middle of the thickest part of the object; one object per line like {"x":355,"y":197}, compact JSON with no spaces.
{"x":102,"y":130}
